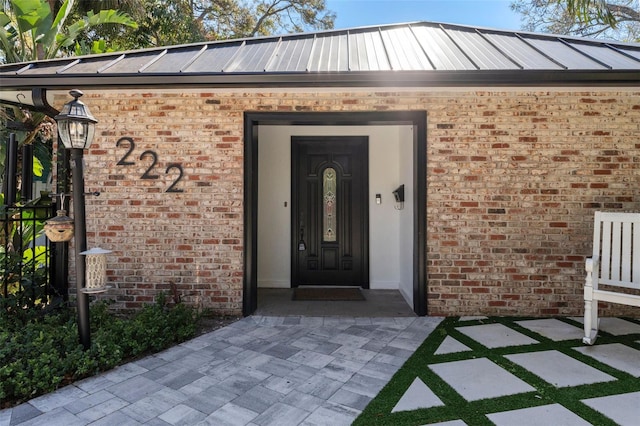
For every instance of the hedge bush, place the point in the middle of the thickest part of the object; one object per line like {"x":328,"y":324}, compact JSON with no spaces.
{"x":39,"y":353}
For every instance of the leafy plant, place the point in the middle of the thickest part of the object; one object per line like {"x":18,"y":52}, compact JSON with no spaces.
{"x":38,"y":353}
{"x":32,"y":30}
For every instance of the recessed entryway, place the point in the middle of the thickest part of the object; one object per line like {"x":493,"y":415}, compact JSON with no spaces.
{"x":395,"y":232}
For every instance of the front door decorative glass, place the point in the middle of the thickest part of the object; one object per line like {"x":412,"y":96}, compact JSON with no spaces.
{"x":329,"y":201}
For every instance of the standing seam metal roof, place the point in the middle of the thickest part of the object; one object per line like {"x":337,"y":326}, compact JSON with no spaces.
{"x":428,"y":53}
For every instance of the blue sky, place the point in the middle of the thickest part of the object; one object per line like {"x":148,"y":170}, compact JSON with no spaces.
{"x":481,"y":13}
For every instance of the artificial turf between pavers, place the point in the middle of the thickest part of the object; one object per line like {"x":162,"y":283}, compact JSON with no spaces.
{"x":378,"y":412}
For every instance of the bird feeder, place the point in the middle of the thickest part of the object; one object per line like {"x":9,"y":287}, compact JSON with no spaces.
{"x":59,"y":228}
{"x":96,"y":270}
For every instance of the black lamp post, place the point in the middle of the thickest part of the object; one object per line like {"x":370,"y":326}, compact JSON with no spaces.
{"x":76,"y":128}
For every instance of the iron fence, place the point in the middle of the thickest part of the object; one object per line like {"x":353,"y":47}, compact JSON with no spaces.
{"x":31,"y":273}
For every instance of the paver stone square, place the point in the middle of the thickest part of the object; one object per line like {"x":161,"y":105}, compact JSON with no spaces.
{"x":281,"y":351}
{"x":102,"y":410}
{"x":417,"y":396}
{"x":210,"y":400}
{"x":58,"y":416}
{"x":59,"y":398}
{"x":5,"y":416}
{"x":480,"y":378}
{"x":94,"y":384}
{"x":182,"y":415}
{"x":379,"y":370}
{"x":349,"y":340}
{"x":559,"y":369}
{"x":615,"y":326}
{"x":364,"y":385}
{"x":622,"y":409}
{"x":135,"y":388}
{"x":341,"y":370}
{"x":331,"y":414}
{"x":242,"y":381}
{"x":22,"y":413}
{"x":553,"y":414}
{"x":320,"y":386}
{"x":496,"y":335}
{"x":116,"y":418}
{"x":311,"y":359}
{"x":280,"y":384}
{"x":88,"y":401}
{"x":450,"y":345}
{"x":231,"y":415}
{"x":553,"y":329}
{"x":174,"y":353}
{"x":619,"y":326}
{"x":616,"y":355}
{"x":354,"y":354}
{"x":258,"y":399}
{"x":350,"y":399}
{"x":281,"y":415}
{"x":302,"y":401}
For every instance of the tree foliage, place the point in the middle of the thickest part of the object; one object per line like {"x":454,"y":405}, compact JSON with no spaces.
{"x":171,"y":22}
{"x":41,"y":29}
{"x":614,"y":19}
{"x":44,"y":29}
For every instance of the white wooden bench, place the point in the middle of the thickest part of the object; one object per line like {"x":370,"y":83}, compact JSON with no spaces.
{"x":615,"y":263}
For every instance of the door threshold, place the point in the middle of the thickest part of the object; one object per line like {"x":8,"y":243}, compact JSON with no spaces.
{"x":328,"y":286}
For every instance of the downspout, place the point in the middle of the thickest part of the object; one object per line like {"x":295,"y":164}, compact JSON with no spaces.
{"x":40,"y":103}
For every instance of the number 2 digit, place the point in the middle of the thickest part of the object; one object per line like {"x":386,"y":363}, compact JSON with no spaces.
{"x":123,"y":161}
{"x":147,"y":174}
{"x":172,"y":187}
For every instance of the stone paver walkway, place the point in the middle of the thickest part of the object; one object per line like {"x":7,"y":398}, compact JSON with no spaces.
{"x":283,"y":371}
{"x":258,"y":371}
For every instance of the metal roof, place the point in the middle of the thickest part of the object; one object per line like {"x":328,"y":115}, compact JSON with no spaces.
{"x":419,"y":54}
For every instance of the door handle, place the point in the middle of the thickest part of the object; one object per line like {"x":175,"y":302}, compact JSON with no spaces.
{"x":301,"y":244}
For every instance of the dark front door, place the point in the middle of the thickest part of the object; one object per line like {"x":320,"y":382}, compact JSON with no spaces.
{"x":330,"y":215}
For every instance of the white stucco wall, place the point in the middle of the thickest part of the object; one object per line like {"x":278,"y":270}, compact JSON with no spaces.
{"x":390,"y":240}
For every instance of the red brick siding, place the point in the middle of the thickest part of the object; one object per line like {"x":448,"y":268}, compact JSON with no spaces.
{"x":513,"y":180}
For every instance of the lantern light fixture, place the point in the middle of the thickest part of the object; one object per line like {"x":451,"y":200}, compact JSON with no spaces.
{"x":76,"y":125}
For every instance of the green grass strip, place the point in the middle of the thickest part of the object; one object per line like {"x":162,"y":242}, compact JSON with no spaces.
{"x":378,"y":412}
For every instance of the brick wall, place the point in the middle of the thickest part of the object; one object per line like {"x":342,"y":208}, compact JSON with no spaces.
{"x":513,"y":180}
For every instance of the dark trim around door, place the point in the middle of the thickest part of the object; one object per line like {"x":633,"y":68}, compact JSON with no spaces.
{"x":254,"y":119}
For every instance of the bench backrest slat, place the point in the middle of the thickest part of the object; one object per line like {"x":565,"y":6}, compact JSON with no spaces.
{"x":626,"y":258}
{"x":616,"y":244}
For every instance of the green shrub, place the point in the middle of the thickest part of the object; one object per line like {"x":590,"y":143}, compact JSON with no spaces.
{"x":39,"y":354}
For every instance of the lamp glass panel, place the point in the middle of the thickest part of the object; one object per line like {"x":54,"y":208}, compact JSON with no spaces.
{"x":77,"y":131}
{"x":63,"y":132}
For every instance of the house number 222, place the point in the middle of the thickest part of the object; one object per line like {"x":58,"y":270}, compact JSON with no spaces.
{"x":148,"y":174}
